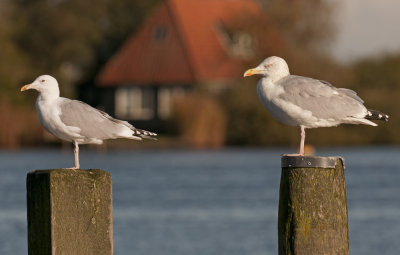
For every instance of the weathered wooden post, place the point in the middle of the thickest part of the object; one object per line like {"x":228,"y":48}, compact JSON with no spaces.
{"x":313,"y":206}
{"x":69,"y":212}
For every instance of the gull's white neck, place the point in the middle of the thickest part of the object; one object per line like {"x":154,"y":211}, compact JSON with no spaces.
{"x":268,"y":86}
{"x":48,"y":96}
{"x":276,"y":75}
{"x":47,"y":109}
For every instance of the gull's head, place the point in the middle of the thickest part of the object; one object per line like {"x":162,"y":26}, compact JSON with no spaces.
{"x":44,"y":84}
{"x":273,"y":67}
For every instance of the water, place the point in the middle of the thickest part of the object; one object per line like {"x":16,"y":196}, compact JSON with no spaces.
{"x":208,"y":202}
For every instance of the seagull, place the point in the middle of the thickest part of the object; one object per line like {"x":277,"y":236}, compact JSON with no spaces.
{"x":306,"y":102}
{"x":75,"y":121}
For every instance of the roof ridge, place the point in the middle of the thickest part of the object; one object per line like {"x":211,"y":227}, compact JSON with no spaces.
{"x":181,"y":36}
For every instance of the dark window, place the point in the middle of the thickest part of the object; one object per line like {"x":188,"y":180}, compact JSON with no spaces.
{"x":160,"y":33}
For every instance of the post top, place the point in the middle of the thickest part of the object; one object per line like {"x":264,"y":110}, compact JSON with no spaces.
{"x":69,"y":172}
{"x":310,"y":161}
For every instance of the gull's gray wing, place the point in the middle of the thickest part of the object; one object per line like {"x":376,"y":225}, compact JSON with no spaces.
{"x":321,"y":98}
{"x":351,"y":93}
{"x":348,"y":92}
{"x":93,"y":123}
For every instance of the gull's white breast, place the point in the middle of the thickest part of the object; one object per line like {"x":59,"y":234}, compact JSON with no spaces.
{"x":285,"y":112}
{"x":49,"y":116}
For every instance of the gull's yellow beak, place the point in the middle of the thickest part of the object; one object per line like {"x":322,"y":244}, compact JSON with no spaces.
{"x":251,"y":72}
{"x":26,"y":87}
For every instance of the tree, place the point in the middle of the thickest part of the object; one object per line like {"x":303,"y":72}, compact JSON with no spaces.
{"x":72,"y":38}
{"x":382,"y":72}
{"x":306,"y":24}
{"x":12,"y":64}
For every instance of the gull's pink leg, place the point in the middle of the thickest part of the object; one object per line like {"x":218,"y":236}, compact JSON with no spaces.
{"x":76,"y":152}
{"x":302,"y":139}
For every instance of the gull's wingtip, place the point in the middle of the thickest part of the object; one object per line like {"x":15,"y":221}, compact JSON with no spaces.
{"x":376,"y":115}
{"x":144,"y":134}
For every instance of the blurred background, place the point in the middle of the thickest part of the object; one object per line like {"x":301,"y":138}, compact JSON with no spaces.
{"x":210,"y":184}
{"x":176,"y":67}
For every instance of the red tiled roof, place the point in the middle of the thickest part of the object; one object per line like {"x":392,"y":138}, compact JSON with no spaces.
{"x":193,"y":49}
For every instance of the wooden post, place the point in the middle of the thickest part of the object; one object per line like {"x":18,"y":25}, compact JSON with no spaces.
{"x":69,"y":212}
{"x":313,"y":207}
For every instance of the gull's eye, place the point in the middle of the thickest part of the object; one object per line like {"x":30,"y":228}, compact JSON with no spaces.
{"x":42,"y":80}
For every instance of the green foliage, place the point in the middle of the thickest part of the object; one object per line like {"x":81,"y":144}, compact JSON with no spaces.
{"x":380,"y":72}
{"x":248,"y":123}
{"x":307,"y":25}
{"x":12,"y":64}
{"x":72,"y":39}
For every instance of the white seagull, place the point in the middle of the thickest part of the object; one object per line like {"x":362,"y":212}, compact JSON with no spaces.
{"x":75,"y":121}
{"x":306,"y":102}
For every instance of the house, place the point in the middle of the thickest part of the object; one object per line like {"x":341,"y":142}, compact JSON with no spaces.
{"x":181,"y":44}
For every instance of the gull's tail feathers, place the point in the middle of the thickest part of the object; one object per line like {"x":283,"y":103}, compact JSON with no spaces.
{"x":376,"y":115}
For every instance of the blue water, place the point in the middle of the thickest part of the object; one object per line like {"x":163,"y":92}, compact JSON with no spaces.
{"x":208,"y":202}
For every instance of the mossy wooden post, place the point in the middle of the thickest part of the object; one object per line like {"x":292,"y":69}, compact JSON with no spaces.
{"x":313,"y":207}
{"x":69,"y":212}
